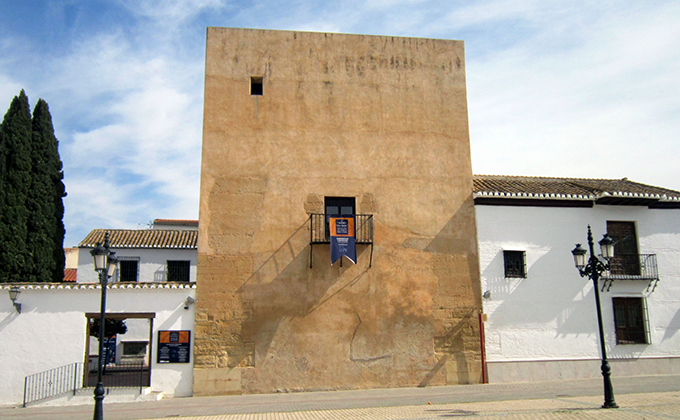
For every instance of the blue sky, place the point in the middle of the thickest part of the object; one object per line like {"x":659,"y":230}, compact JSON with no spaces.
{"x":560,"y":88}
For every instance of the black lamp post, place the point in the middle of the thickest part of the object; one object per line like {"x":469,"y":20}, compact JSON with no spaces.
{"x":105,"y":263}
{"x":593,"y":268}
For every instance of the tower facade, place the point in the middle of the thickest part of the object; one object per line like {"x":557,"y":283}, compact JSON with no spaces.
{"x":298,"y":125}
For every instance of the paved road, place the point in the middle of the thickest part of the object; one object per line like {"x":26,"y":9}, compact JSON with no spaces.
{"x":648,"y":397}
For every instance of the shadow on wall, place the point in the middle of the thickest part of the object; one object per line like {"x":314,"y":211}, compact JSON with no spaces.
{"x":539,"y":300}
{"x":8,"y":319}
{"x":673,"y":326}
{"x":457,"y":299}
{"x":541,"y":294}
{"x":160,"y":274}
{"x":383,"y":329}
{"x":458,"y":238}
{"x":176,"y":315}
{"x":284,"y":287}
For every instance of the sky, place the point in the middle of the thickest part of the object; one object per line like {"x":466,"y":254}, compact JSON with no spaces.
{"x":586,"y":89}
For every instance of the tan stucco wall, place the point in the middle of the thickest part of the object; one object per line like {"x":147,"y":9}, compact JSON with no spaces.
{"x":382,"y":119}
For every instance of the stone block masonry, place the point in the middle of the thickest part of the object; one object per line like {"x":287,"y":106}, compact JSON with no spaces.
{"x":382,"y":121}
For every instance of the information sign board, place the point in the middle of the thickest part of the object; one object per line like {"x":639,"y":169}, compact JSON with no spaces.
{"x":174,"y":347}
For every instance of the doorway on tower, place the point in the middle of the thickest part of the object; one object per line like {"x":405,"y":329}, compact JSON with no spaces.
{"x":334,"y":206}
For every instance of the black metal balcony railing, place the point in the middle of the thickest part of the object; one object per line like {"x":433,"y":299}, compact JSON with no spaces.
{"x":319,"y":232}
{"x":632,"y":267}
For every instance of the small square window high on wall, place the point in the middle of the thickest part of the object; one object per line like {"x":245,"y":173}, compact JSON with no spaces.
{"x":256,"y":86}
{"x":515,"y":264}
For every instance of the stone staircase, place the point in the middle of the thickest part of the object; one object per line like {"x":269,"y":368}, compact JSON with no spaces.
{"x":85,"y":396}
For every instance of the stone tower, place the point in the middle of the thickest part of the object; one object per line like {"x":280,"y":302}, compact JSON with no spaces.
{"x":292,"y":122}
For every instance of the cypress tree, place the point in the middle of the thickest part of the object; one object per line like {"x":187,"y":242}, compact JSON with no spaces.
{"x":45,"y":201}
{"x":15,"y":258}
{"x":3,"y":177}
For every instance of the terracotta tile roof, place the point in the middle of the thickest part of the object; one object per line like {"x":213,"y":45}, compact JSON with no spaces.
{"x":143,"y":238}
{"x":70,"y":274}
{"x":131,"y":287}
{"x":605,"y":191}
{"x":176,"y":222}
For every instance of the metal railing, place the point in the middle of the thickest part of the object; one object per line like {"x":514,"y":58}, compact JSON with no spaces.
{"x":320,"y":234}
{"x":123,"y":375}
{"x":53,"y":382}
{"x":632,"y":267}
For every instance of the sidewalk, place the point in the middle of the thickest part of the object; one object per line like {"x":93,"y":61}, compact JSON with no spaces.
{"x":648,"y":397}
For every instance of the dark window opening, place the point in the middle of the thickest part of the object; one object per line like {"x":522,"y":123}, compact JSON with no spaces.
{"x":515,"y":264}
{"x":128,"y":269}
{"x":178,"y":270}
{"x":134,"y":348}
{"x":337,"y":206}
{"x":256,"y":86}
{"x":629,"y":318}
{"x":626,"y":258}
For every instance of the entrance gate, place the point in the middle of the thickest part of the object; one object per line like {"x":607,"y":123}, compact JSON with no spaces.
{"x":128,"y":352}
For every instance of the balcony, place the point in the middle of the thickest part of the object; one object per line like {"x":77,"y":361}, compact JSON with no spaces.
{"x":632,"y":267}
{"x":319,"y":232}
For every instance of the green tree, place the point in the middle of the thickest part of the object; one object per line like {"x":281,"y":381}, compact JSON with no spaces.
{"x":15,"y":258}
{"x":45,"y":201}
{"x":31,"y":196}
{"x":111,"y":327}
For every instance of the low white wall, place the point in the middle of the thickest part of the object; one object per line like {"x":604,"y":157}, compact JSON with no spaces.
{"x":51,"y":330}
{"x":551,"y":314}
{"x":152,"y":263}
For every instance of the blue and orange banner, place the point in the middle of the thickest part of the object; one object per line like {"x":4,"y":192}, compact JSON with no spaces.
{"x":343,"y":241}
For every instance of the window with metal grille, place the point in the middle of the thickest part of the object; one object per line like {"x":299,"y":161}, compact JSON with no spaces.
{"x":515,"y":264}
{"x":629,"y":318}
{"x":128,"y":269}
{"x":178,"y":270}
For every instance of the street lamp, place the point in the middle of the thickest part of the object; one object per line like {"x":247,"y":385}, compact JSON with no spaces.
{"x":593,"y":267}
{"x":105,"y":263}
{"x":14,"y":293}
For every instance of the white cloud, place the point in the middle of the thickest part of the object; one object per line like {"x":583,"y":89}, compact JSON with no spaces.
{"x":554,"y":88}
{"x":598,"y":108}
{"x":171,"y":12}
{"x":134,"y":125}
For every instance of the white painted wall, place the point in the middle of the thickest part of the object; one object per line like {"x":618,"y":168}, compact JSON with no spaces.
{"x":51,"y":330}
{"x":152,"y":263}
{"x":551,"y":315}
{"x":71,"y":257}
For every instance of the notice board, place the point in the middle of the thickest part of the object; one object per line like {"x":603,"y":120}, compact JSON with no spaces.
{"x":174,"y":347}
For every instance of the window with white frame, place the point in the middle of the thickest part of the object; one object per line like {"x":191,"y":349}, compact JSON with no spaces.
{"x":630,"y":320}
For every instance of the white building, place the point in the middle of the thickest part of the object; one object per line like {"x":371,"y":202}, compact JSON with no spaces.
{"x":52,"y":329}
{"x":153,"y":293}
{"x":166,"y":252}
{"x":541,"y":314}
